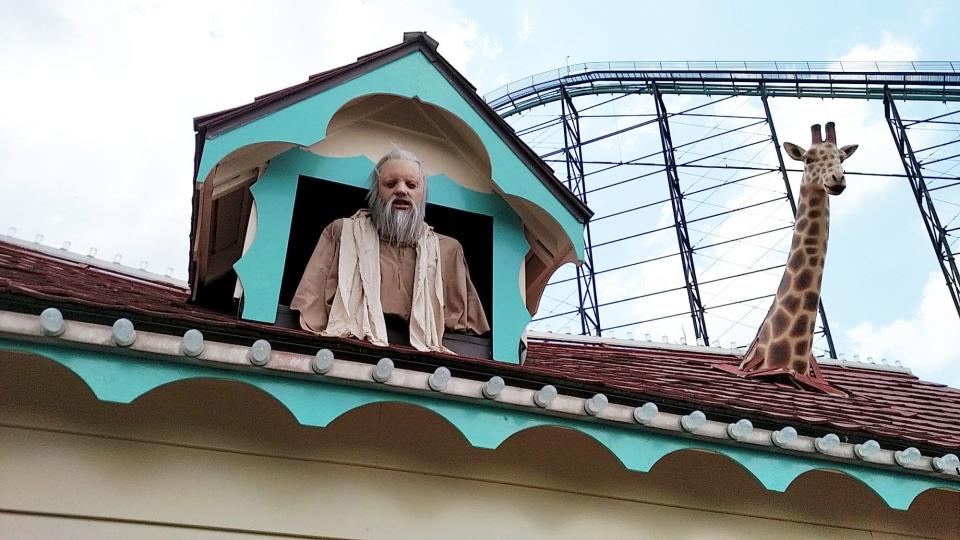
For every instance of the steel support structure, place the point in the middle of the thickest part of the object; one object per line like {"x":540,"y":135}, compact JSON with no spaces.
{"x":707,"y":171}
{"x":921,"y":192}
{"x":698,"y":168}
{"x":680,"y":221}
{"x":588,"y":306}
{"x":825,"y":326}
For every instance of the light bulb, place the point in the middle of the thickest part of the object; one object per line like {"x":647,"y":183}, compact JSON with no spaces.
{"x":827,"y":443}
{"x":645,"y":413}
{"x":259,"y":353}
{"x":383,"y":370}
{"x":322,"y":362}
{"x":693,"y":421}
{"x":783,"y":437}
{"x":740,"y":430}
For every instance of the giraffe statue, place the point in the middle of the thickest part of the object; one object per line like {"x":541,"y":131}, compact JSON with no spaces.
{"x":783,"y":346}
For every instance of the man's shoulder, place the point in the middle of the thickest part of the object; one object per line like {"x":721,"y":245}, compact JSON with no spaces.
{"x":335,"y":226}
{"x":448,"y":241}
{"x":449,"y":246}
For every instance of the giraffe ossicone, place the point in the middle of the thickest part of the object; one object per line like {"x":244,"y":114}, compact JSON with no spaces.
{"x":783,"y":347}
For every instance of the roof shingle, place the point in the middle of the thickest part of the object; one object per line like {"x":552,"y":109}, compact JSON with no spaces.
{"x":892,"y":406}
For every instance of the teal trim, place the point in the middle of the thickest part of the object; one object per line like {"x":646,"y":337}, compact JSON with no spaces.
{"x":122,"y":379}
{"x":260,"y":269}
{"x":305,"y":123}
{"x":510,"y":317}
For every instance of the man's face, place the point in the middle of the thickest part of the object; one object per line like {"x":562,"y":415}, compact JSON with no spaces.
{"x":400,"y":179}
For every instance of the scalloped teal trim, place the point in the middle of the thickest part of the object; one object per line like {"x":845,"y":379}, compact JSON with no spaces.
{"x":122,"y":379}
{"x":260,"y":269}
{"x":414,"y":76}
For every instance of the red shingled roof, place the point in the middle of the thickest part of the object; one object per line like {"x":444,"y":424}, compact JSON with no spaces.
{"x":891,"y":406}
{"x":885,"y":404}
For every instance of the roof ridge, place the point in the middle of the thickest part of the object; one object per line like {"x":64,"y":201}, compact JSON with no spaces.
{"x":548,"y":337}
{"x":115,"y":268}
{"x":316,"y":78}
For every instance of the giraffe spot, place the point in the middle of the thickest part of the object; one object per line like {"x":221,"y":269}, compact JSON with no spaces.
{"x":816,"y":200}
{"x":821,"y":152}
{"x":779,"y":354}
{"x":796,"y":261}
{"x":779,"y":322}
{"x":799,"y":327}
{"x":791,"y":304}
{"x":800,"y":366}
{"x":784,"y":285}
{"x":814,"y":229}
{"x":810,"y":301}
{"x":804,"y":280}
{"x":800,"y":348}
{"x":810,"y":250}
{"x":814,"y":261}
{"x":810,"y":241}
{"x":814,"y":214}
{"x":802,"y":224}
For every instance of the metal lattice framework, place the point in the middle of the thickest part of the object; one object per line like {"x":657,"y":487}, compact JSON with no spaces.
{"x":717,"y":163}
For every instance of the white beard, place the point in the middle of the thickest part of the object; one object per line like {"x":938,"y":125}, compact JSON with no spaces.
{"x":395,"y":226}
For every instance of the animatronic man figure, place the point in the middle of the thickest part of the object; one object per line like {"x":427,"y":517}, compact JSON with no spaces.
{"x":384,"y":263}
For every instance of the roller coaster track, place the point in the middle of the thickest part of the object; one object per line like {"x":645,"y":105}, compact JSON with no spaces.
{"x":884,"y":81}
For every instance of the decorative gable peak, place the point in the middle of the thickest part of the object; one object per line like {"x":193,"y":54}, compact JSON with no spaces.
{"x":267,"y":173}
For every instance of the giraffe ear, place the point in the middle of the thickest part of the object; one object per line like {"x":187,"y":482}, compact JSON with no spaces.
{"x":794,"y":151}
{"x":848,"y":151}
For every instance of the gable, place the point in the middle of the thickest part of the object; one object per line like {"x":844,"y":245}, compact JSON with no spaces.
{"x":334,"y":129}
{"x":306,"y":123}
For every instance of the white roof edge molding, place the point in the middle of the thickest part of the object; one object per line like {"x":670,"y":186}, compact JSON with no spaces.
{"x":637,"y":436}
{"x":307,"y":122}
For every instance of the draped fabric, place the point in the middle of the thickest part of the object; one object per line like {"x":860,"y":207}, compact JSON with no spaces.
{"x":353,"y":279}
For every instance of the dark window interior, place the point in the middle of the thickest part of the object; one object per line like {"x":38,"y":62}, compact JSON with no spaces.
{"x":218,"y":294}
{"x":319,"y":202}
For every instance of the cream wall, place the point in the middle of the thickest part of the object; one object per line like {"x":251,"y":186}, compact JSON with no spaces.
{"x":374,"y":125}
{"x":220,"y":460}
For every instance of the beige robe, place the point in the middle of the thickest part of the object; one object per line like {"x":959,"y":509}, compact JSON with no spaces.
{"x":462,"y":311}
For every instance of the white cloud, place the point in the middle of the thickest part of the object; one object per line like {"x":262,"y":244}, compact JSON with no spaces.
{"x":930,"y":14}
{"x":928,"y":342}
{"x":96,"y":143}
{"x":858,"y":122}
{"x":891,"y":49}
{"x":524,"y":30}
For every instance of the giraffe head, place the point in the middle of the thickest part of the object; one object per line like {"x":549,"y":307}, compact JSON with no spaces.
{"x":822,"y":161}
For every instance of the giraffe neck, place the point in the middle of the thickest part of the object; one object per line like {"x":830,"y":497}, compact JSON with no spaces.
{"x":785,"y":339}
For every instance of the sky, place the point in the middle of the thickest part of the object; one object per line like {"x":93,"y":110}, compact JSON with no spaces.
{"x":96,"y":139}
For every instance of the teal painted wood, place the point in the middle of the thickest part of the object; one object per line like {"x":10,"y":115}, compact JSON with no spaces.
{"x":510,"y":317}
{"x":260,"y":269}
{"x":305,"y":123}
{"x":317,"y":402}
